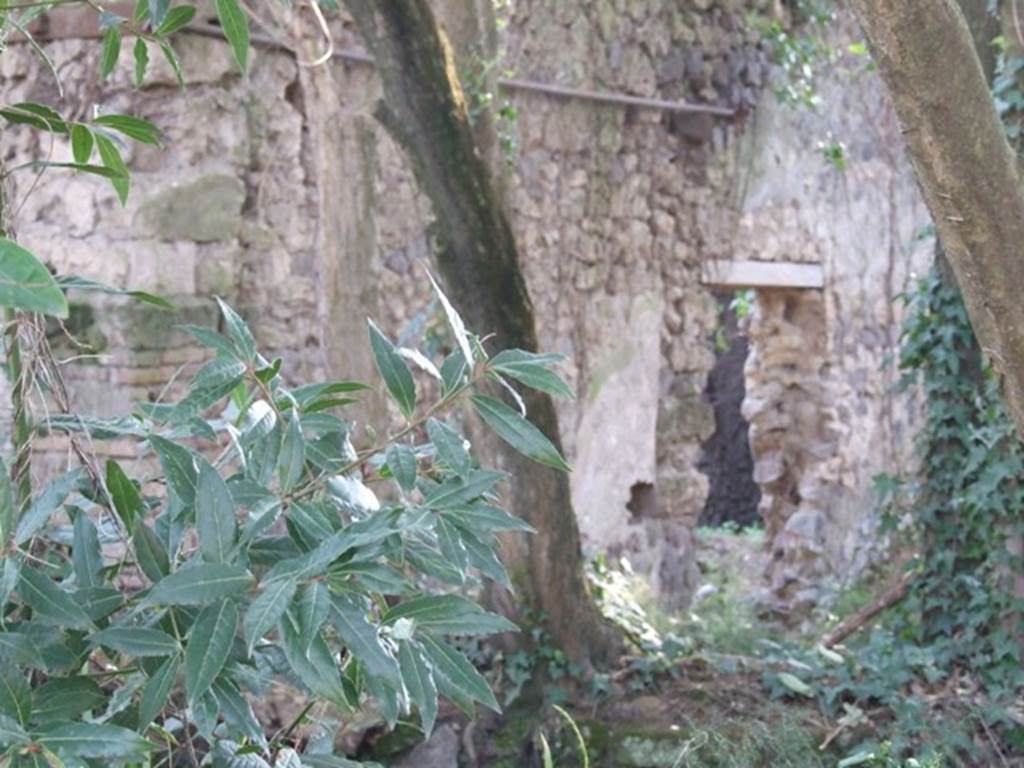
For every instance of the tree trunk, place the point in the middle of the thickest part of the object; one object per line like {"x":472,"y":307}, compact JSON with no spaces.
{"x":965,"y":167}
{"x":424,"y":110}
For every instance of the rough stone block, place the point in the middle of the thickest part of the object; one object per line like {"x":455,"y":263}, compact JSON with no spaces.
{"x":204,"y":210}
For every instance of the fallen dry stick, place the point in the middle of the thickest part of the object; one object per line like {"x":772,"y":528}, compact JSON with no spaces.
{"x":855,"y":621}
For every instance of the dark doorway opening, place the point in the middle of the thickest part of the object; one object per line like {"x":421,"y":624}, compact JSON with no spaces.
{"x":733,"y":496}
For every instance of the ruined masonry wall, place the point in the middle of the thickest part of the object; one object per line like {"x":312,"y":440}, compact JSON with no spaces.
{"x":615,"y":211}
{"x":825,"y":417}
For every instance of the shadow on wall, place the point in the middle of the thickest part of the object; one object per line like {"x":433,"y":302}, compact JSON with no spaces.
{"x":733,"y":496}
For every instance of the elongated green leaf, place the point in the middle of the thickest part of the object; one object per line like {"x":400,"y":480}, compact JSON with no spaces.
{"x":150,"y":554}
{"x":293,"y":455}
{"x":37,"y":115}
{"x":208,"y":647}
{"x":25,"y":283}
{"x":349,"y":619}
{"x":454,"y":320}
{"x":238,"y":331}
{"x":172,"y":59}
{"x":133,"y":127}
{"x":9,"y":576}
{"x":20,"y":649}
{"x":481,"y":554}
{"x":385,"y":696}
{"x":451,"y":546}
{"x":200,"y":585}
{"x":95,"y":170}
{"x":86,"y":554}
{"x":310,"y":609}
{"x":487,"y":518}
{"x":137,"y":641}
{"x":454,"y":371}
{"x":204,"y":715}
{"x":8,"y":513}
{"x":431,"y":563}
{"x":15,"y":694}
{"x":451,"y":615}
{"x":157,"y":691}
{"x":332,"y":452}
{"x":111,"y":158}
{"x":236,"y":29}
{"x":374,"y":576}
{"x":99,"y":602}
{"x":311,"y":661}
{"x":518,"y":432}
{"x":11,"y":732}
{"x":393,"y":370}
{"x":96,"y":740}
{"x":48,"y":502}
{"x":215,"y":516}
{"x":266,"y":609}
{"x":176,"y":18}
{"x":65,"y":698}
{"x":110,"y":53}
{"x":156,"y":11}
{"x":50,"y":604}
{"x":531,"y":369}
{"x":456,"y":492}
{"x":316,"y":561}
{"x":402,"y":462}
{"x":310,"y":393}
{"x":141,"y":55}
{"x":86,"y":284}
{"x":127,"y":499}
{"x":237,"y":712}
{"x":81,"y":143}
{"x":213,"y":382}
{"x":419,"y":682}
{"x":455,"y":674}
{"x":450,"y":447}
{"x":179,"y":465}
{"x":314,"y":523}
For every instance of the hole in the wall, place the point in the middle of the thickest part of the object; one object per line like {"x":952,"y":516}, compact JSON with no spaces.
{"x":293,"y":95}
{"x":733,"y":495}
{"x":643,"y":501}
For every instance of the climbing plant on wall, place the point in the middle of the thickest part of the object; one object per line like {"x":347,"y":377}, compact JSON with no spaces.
{"x":970,"y":502}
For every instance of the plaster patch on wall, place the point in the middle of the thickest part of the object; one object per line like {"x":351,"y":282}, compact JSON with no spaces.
{"x":615,"y":446}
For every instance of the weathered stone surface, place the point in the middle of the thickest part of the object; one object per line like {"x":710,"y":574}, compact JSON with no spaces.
{"x":205,"y":210}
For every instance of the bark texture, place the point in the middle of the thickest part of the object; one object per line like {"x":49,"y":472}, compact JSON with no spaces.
{"x":966,"y":169}
{"x":424,"y":109}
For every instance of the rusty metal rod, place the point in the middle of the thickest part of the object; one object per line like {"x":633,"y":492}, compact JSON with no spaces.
{"x":88,"y":28}
{"x":513,"y":84}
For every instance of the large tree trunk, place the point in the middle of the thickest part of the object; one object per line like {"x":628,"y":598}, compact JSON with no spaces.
{"x":966,"y":169}
{"x":425,"y":111}
{"x":938,"y":61}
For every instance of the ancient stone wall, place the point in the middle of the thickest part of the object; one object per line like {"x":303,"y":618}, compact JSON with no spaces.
{"x":825,"y":418}
{"x":615,"y":208}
